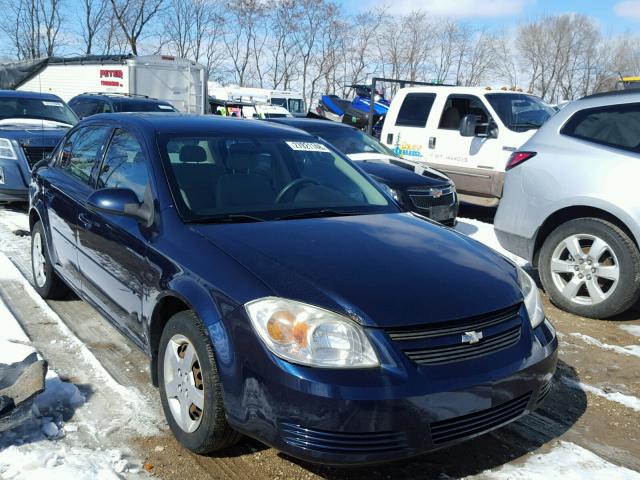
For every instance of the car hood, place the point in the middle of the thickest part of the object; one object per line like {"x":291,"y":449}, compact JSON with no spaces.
{"x":30,"y":135}
{"x":383,"y":270}
{"x":396,"y":172}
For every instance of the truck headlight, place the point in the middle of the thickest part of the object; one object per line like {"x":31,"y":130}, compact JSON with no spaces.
{"x":6,"y":149}
{"x":308,"y":335}
{"x":532,"y":301}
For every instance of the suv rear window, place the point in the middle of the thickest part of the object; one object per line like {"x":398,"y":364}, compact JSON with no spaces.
{"x":415,"y":109}
{"x":614,"y":126}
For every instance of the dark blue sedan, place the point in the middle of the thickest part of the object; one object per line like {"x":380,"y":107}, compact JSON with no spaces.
{"x":281,"y":294}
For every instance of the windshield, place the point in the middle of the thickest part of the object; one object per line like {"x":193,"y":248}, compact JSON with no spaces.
{"x":36,"y":108}
{"x":141,"y":106}
{"x":520,"y":112}
{"x":221,"y":178}
{"x":349,"y":140}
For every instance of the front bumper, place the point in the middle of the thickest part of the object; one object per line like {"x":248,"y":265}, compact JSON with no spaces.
{"x":377,"y":415}
{"x":13,"y":181}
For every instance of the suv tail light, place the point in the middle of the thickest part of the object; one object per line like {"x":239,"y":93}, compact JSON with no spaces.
{"x":517,"y":158}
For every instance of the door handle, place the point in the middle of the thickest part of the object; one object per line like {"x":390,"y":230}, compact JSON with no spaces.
{"x":432,"y":142}
{"x":86,"y":222}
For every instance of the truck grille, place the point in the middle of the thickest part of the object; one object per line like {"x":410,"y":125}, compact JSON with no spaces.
{"x":426,"y":197}
{"x":479,"y":422}
{"x":35,"y":154}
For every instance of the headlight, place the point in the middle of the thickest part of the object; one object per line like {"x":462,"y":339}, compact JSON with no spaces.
{"x":531,"y":296}
{"x":309,"y":335}
{"x":6,"y":149}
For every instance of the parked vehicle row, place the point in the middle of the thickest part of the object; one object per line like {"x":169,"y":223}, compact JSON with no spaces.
{"x":281,"y":293}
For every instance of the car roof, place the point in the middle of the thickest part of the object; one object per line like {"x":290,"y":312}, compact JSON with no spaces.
{"x":119,"y":98}
{"x":188,"y":123}
{"x":308,"y":123}
{"x":452,"y":90}
{"x":24,"y":94}
{"x":614,"y":95}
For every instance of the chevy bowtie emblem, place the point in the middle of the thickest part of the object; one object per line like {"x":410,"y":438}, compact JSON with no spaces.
{"x":471,"y":337}
{"x":436,"y":192}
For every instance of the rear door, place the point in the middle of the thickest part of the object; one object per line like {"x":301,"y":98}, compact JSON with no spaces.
{"x":407,"y":136}
{"x":112,"y":248}
{"x":65,"y":187}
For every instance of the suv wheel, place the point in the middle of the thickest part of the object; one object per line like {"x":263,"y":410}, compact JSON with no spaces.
{"x":190,"y":387}
{"x":590,"y":267}
{"x":46,"y":281}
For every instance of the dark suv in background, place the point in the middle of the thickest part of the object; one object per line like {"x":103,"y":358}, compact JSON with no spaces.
{"x":31,"y":124}
{"x":87,"y":104}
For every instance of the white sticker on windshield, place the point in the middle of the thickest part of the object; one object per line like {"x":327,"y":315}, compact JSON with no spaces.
{"x":52,"y":104}
{"x":308,"y":147}
{"x":165,"y":107}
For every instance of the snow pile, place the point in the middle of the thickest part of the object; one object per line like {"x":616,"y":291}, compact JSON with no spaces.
{"x":632,"y":329}
{"x":628,"y":350}
{"x":484,"y":233}
{"x":566,"y":461}
{"x":627,"y":400}
{"x":62,"y":463}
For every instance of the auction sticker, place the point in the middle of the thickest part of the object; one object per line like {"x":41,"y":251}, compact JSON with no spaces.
{"x":308,"y":147}
{"x":51,"y":104}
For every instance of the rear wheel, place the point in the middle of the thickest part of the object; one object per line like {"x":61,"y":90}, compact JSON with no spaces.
{"x":190,"y":387}
{"x":590,"y":267}
{"x":45,"y":279}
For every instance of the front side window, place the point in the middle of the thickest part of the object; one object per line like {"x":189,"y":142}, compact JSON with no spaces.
{"x":457,"y":107}
{"x":266,"y":178}
{"x":124,"y":165}
{"x":51,"y":109}
{"x":81,"y":150}
{"x":614,"y":126}
{"x":520,"y":112}
{"x":415,"y":110}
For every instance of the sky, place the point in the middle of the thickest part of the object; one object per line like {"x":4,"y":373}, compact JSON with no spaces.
{"x":615,"y":16}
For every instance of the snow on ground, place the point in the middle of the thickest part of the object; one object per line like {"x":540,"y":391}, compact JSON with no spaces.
{"x":565,"y":461}
{"x":628,"y":350}
{"x":628,"y":401}
{"x":632,"y":329}
{"x":484,"y":233}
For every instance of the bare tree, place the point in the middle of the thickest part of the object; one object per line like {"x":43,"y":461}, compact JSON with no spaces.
{"x":283,"y":51}
{"x":134,"y":16}
{"x":93,"y":22}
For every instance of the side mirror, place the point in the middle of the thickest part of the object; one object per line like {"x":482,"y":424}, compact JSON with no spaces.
{"x":121,"y":201}
{"x":469,"y":125}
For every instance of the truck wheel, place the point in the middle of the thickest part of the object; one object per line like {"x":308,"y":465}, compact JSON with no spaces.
{"x":190,"y":387}
{"x":590,"y":267}
{"x":45,"y":280}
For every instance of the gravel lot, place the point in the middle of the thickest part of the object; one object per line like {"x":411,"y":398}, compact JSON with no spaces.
{"x":587,"y":428}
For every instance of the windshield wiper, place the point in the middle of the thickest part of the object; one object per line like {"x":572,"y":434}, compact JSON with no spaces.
{"x":228,"y":218}
{"x":325,"y":212}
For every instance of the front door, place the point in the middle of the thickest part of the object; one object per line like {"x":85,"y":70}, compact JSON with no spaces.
{"x":112,"y":248}
{"x":469,"y":161}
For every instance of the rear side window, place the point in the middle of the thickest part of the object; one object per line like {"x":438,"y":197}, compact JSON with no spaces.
{"x":81,"y":150}
{"x":614,"y":126}
{"x":415,"y":109}
{"x":124,"y":165}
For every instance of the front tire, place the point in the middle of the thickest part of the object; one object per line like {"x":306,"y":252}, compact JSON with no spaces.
{"x":590,"y":267}
{"x":45,"y":280}
{"x":190,"y":387}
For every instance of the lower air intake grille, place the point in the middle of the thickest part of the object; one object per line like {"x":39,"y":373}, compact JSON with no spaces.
{"x":544,"y":391}
{"x":479,"y":422}
{"x":338,"y":442}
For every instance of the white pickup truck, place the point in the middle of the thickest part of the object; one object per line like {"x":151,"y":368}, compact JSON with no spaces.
{"x":467,"y":133}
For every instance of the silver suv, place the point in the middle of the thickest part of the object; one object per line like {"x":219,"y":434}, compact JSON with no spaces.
{"x":571,"y":204}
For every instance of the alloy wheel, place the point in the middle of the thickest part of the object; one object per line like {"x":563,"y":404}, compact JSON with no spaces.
{"x":585,"y":269}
